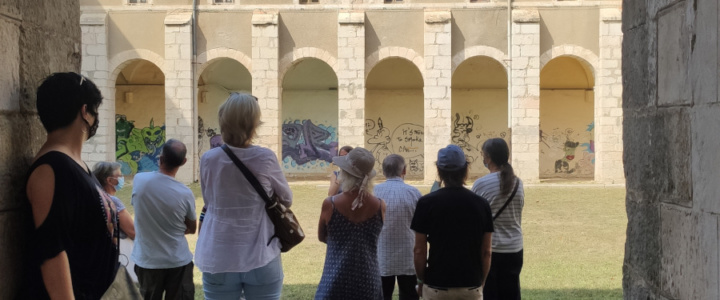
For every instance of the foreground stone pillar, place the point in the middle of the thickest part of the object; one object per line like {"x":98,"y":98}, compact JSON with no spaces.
{"x":95,"y":67}
{"x":351,"y":78}
{"x":525,"y":94}
{"x":608,"y":103}
{"x":38,"y":38}
{"x":179,"y":87}
{"x":671,"y":110}
{"x":265,"y":53}
{"x":437,"y":90}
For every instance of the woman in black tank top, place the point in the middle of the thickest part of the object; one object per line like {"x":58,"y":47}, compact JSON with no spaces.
{"x":74,"y":246}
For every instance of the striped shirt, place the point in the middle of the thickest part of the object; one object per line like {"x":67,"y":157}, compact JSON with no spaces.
{"x":396,"y":242}
{"x":507,"y":237}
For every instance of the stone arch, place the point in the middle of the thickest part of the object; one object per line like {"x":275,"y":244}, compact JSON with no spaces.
{"x":306,"y":52}
{"x":488,"y":51}
{"x":584,"y":56}
{"x":208,"y":57}
{"x":388,"y":52}
{"x":122,"y":59}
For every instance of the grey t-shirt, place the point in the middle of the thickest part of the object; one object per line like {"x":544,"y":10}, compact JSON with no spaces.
{"x":161,"y":206}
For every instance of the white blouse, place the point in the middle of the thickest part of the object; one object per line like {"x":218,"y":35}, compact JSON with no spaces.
{"x":236,"y":229}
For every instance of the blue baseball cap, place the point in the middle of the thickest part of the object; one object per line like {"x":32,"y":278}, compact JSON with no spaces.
{"x":451,"y":158}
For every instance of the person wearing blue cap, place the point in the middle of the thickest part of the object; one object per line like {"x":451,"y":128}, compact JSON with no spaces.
{"x":458,"y":225}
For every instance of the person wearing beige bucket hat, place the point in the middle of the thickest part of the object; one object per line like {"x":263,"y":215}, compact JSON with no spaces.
{"x":350,"y":225}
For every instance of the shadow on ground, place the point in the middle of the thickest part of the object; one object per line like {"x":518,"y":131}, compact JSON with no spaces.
{"x":307,"y":291}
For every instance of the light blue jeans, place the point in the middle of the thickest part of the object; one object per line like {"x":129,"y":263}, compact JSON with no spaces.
{"x":262,"y":283}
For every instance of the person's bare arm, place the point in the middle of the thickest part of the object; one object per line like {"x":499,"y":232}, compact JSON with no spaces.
{"x":126,"y":224}
{"x":325,"y":214}
{"x":420,"y":259}
{"x":334,"y":185}
{"x":55,"y":271}
{"x":486,"y":255}
{"x":191,"y":226}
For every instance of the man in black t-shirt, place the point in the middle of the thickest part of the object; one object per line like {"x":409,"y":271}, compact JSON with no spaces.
{"x":458,"y":225}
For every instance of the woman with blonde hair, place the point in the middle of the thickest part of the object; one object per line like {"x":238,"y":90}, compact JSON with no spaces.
{"x":236,"y":250}
{"x":350,"y":224}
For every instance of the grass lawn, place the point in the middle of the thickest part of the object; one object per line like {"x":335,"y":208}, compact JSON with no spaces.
{"x":574,"y":242}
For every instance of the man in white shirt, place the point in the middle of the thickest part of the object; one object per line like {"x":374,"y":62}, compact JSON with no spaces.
{"x":164,"y":214}
{"x":396,"y":242}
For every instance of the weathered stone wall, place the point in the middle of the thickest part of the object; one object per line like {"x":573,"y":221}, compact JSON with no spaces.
{"x":671,"y":146}
{"x":37,"y":38}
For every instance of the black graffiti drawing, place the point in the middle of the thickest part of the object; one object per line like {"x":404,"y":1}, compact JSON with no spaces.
{"x":563,"y":165}
{"x":304,"y":141}
{"x":461,"y":132}
{"x":381,"y":140}
{"x":212,"y":133}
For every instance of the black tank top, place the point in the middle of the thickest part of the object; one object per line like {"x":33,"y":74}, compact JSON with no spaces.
{"x":82,"y":222}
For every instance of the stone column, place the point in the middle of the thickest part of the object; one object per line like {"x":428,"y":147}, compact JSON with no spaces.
{"x":95,"y":67}
{"x":438,"y":74}
{"x":525,"y":94}
{"x":265,"y":54}
{"x":179,"y":86}
{"x":608,"y":104}
{"x":351,"y":78}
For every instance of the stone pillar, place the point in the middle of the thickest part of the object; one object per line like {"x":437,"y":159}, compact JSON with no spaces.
{"x":671,"y":106}
{"x":179,"y":87}
{"x":37,"y":38}
{"x":351,"y":78}
{"x":437,"y":91}
{"x":608,"y":104}
{"x":525,"y":94}
{"x":266,"y":85}
{"x":95,"y":67}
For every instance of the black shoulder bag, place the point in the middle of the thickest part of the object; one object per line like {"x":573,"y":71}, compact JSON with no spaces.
{"x":517,"y":184}
{"x":287,"y":228}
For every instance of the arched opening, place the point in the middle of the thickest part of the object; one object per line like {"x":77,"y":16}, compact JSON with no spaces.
{"x":394,"y":114}
{"x":139,"y":116}
{"x":309,"y":118}
{"x":220,"y":78}
{"x":567,"y":136}
{"x":479,"y":107}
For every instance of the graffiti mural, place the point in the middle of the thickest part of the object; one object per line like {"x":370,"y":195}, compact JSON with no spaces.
{"x":137,"y":149}
{"x":573,"y":152}
{"x":306,"y":146}
{"x":406,"y":140}
{"x":210,"y":135}
{"x":469,"y":134}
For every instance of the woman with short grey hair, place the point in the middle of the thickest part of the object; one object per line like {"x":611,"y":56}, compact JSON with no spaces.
{"x":110,"y":176}
{"x":112,"y":180}
{"x":236,"y":250}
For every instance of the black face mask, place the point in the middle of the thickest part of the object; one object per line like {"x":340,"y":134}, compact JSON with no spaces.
{"x":92,"y":129}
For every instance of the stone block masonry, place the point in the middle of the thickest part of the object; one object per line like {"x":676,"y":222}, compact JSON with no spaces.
{"x":351,"y":78}
{"x":670,"y":140}
{"x":525,"y":94}
{"x":266,"y":85}
{"x":38,"y":38}
{"x":178,"y":86}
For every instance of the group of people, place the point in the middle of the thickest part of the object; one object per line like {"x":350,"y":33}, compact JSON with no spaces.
{"x":375,"y":235}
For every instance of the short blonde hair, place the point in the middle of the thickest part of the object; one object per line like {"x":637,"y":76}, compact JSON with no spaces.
{"x":239,"y":118}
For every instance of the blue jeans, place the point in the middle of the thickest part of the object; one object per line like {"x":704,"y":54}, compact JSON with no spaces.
{"x":262,"y":283}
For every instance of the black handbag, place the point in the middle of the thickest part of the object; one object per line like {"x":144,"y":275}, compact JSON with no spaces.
{"x":517,"y":184}
{"x":287,"y":228}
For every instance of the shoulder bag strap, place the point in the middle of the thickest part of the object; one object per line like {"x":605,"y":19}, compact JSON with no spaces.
{"x":249,"y":175}
{"x":517,"y":184}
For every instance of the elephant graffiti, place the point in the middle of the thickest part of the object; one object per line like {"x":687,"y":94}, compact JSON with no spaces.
{"x":304,"y":142}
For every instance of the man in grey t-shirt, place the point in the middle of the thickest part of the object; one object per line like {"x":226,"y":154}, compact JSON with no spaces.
{"x":164,"y":214}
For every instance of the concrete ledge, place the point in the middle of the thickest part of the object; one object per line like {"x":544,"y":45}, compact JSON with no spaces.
{"x":351,"y":17}
{"x":264,"y":18}
{"x":434,"y":17}
{"x":93,"y":19}
{"x":182,"y":18}
{"x":525,"y":16}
